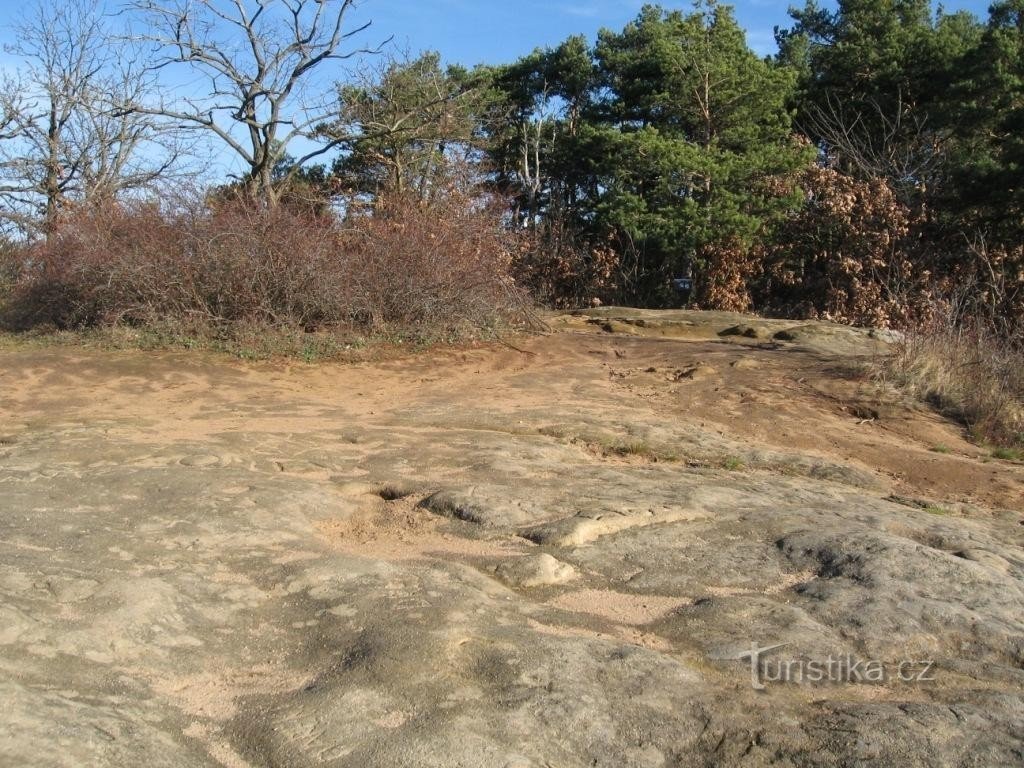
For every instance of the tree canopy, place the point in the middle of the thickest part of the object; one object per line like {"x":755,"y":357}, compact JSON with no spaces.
{"x":878,"y":154}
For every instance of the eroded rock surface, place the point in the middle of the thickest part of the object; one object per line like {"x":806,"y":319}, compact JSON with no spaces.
{"x":489,"y":557}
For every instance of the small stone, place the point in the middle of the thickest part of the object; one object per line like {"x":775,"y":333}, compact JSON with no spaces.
{"x":535,"y":571}
{"x":696,"y":372}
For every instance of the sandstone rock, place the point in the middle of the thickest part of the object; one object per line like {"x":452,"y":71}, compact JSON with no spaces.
{"x":535,"y":571}
{"x":230,"y":612}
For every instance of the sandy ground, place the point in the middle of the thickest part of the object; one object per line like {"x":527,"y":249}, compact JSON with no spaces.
{"x":756,"y":393}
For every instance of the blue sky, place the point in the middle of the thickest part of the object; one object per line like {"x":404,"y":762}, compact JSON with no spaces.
{"x":487,"y":31}
{"x":490,"y":31}
{"x":476,"y":31}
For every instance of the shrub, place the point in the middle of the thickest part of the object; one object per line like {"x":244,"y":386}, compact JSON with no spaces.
{"x":564,"y":271}
{"x":969,"y":370}
{"x":730,"y":267}
{"x":224,"y":264}
{"x":263,"y":268}
{"x":138,"y":264}
{"x":10,"y":269}
{"x":843,"y":255}
{"x":445,"y":266}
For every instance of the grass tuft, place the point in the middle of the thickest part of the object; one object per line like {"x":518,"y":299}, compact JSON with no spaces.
{"x":632,"y":448}
{"x":1009,"y":454}
{"x":733,"y":463}
{"x":969,"y":373}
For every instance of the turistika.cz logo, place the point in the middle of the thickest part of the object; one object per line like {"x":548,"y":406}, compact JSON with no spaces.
{"x":842,"y":669}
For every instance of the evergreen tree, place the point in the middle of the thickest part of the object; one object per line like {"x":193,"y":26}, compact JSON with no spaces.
{"x":876,"y":82}
{"x":663,"y":139}
{"x":404,"y":125}
{"x":991,"y":129}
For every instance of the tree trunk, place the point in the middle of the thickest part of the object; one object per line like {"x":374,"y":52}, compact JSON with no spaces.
{"x":52,"y":181}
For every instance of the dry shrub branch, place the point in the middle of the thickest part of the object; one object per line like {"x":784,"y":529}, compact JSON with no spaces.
{"x":408,"y":268}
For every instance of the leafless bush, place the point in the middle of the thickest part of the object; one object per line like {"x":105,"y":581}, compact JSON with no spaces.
{"x":988,"y":283}
{"x":443,"y":266}
{"x":415,"y":269}
{"x":139,"y":264}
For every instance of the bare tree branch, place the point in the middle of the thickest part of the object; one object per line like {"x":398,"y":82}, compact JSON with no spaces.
{"x":64,"y":136}
{"x":256,"y":56}
{"x":891,"y":141}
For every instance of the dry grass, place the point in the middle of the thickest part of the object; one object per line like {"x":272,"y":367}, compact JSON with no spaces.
{"x":969,"y":372}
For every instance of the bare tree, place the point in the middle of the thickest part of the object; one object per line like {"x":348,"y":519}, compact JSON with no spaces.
{"x":64,"y":134}
{"x":892,"y":141}
{"x":256,"y":59}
